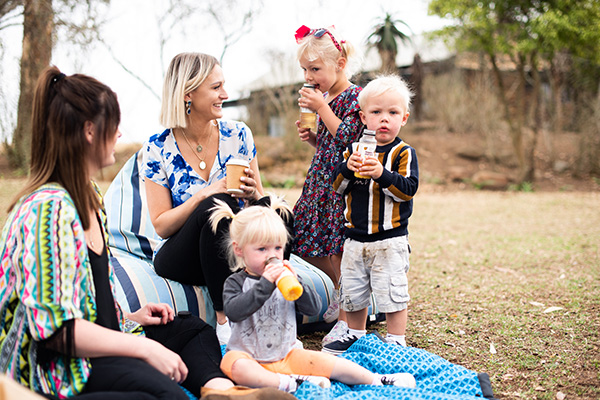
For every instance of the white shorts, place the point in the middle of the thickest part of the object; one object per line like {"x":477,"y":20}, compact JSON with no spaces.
{"x":379,"y":267}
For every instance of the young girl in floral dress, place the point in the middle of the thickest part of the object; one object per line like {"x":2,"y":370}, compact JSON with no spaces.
{"x":319,"y":219}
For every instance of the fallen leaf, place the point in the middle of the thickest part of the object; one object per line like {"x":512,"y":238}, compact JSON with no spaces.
{"x":492,"y":348}
{"x":540,"y":389}
{"x":552,"y":309}
{"x":560,"y":396}
{"x":537,"y":304}
{"x":507,"y":377}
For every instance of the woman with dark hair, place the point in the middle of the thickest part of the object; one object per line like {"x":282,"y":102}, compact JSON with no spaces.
{"x":62,"y":332}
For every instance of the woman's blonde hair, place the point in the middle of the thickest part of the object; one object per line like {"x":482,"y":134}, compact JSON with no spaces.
{"x":254,"y":224}
{"x":186,"y":72}
{"x":324,"y":48}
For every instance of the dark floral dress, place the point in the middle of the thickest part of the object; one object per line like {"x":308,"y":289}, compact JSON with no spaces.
{"x":319,"y":212}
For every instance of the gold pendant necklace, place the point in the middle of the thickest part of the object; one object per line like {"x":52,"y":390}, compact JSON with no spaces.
{"x":202,"y":164}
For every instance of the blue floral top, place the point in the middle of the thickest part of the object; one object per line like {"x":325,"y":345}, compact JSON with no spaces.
{"x":164,"y":164}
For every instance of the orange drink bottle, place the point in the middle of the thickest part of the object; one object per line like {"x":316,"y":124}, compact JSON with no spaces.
{"x":287,"y":283}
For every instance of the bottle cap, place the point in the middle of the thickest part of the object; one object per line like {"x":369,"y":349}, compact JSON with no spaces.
{"x":368,"y":132}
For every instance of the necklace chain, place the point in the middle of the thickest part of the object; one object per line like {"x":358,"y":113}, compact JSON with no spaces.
{"x":202,"y":164}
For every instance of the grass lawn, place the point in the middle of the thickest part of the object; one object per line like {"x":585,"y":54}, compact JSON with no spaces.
{"x":503,"y":283}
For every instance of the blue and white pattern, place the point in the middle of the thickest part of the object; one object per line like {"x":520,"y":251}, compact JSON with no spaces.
{"x":164,"y":164}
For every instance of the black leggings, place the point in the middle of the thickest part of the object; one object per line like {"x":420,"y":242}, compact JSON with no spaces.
{"x":196,"y":255}
{"x":194,"y":340}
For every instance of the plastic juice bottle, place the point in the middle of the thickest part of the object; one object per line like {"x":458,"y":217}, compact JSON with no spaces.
{"x":287,"y":283}
{"x":308,"y":118}
{"x":366,"y":147}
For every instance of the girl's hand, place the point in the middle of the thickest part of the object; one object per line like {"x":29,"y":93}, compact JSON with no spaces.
{"x":164,"y":360}
{"x":248,"y":186}
{"x":311,"y":99}
{"x":152,"y":314}
{"x":306,"y":135}
{"x":272,"y":272}
{"x":371,"y":167}
{"x":288,"y":265}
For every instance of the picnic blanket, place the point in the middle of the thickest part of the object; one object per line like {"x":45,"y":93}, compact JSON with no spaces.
{"x":436,"y":377}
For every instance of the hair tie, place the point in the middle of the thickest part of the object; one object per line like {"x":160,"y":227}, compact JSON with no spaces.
{"x":58,"y":78}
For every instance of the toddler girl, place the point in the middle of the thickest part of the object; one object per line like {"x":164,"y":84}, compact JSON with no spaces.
{"x":319,"y":219}
{"x":261,"y":351}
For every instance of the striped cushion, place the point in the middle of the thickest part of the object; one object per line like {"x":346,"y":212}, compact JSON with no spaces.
{"x":132,"y":241}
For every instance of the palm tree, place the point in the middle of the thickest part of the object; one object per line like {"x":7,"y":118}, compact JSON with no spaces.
{"x":384,"y":37}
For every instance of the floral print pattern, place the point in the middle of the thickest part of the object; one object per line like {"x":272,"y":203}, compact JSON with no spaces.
{"x":164,"y":164}
{"x":319,"y":219}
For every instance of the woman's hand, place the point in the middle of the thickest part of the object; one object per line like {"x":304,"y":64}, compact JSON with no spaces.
{"x":249,"y":186}
{"x":164,"y":360}
{"x":152,"y":314}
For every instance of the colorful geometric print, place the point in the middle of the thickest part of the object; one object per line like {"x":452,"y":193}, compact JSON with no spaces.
{"x":436,"y":378}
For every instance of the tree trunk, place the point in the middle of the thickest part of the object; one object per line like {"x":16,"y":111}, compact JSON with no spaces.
{"x":38,"y":28}
{"x":514,"y":123}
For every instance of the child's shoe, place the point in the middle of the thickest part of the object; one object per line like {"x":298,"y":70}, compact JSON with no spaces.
{"x":333,"y":311}
{"x":317,"y":380}
{"x":401,"y":379}
{"x":223,"y":333}
{"x":339,"y":330}
{"x":399,"y":340}
{"x":340,"y":346}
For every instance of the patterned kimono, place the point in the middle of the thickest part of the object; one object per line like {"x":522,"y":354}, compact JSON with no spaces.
{"x":45,"y":280}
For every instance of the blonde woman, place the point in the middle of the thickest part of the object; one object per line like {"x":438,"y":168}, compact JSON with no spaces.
{"x":184,"y":170}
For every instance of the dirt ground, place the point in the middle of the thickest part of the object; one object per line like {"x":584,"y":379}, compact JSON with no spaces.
{"x":447,"y":161}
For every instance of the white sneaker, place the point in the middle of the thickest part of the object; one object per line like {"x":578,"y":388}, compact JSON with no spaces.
{"x":333,"y":311}
{"x":317,"y":380}
{"x":223,"y":333}
{"x":401,"y":379}
{"x":398,"y":342}
{"x":339,"y":330}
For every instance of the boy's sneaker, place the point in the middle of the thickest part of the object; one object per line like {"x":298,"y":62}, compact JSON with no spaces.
{"x":339,"y":330}
{"x":333,"y":311}
{"x":392,"y":341}
{"x":339,"y":346}
{"x":401,"y":379}
{"x":317,"y":380}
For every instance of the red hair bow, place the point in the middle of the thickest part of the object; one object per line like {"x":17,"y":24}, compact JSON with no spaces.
{"x":302,"y":32}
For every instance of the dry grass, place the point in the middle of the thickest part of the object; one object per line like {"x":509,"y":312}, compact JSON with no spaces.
{"x":486,"y":269}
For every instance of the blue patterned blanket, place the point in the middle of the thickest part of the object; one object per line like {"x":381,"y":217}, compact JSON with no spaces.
{"x":436,"y":378}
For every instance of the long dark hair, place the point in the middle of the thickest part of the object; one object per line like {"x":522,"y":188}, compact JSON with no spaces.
{"x":59,"y":149}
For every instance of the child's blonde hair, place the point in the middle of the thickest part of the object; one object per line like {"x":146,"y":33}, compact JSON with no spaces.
{"x":254,"y":224}
{"x":382,"y":84}
{"x":323,"y":48}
